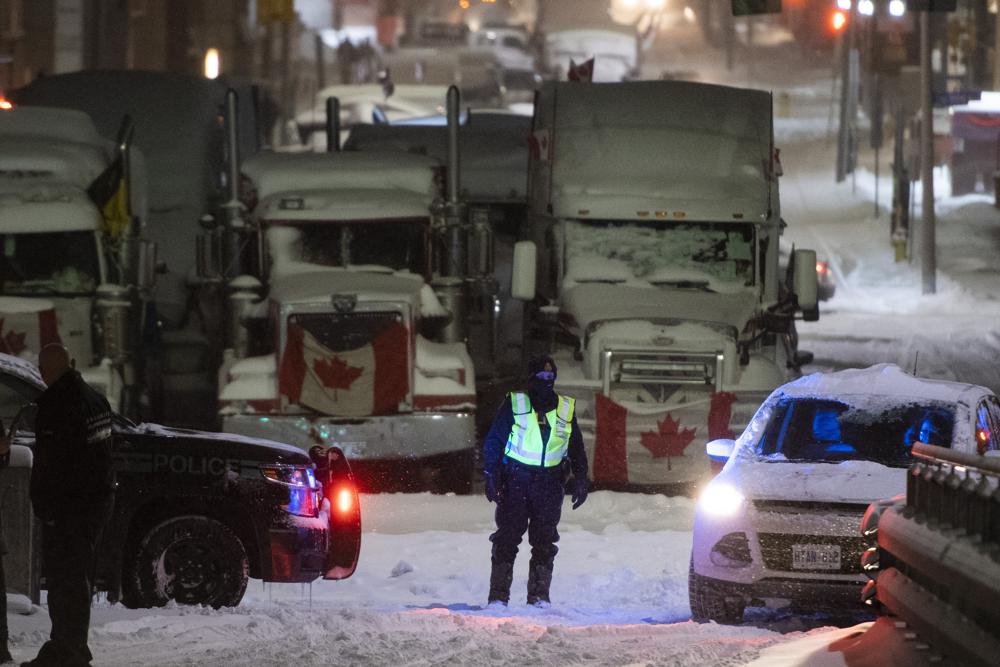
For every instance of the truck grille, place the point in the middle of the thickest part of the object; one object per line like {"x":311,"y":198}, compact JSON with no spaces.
{"x":776,"y":548}
{"x":342,"y":332}
{"x":680,"y":368}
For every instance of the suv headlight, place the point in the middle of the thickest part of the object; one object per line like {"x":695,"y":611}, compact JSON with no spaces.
{"x":303,"y":496}
{"x":720,"y":500}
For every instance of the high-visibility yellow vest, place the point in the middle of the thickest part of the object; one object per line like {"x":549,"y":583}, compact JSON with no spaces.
{"x":525,"y":441}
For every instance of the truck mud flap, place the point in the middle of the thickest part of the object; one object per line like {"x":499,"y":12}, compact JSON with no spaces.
{"x":341,"y":492}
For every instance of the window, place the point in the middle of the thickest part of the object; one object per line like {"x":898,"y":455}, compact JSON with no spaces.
{"x":808,"y":429}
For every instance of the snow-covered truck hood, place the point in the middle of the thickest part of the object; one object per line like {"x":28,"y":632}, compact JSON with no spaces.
{"x":315,"y":284}
{"x":846,"y":482}
{"x":590,"y":304}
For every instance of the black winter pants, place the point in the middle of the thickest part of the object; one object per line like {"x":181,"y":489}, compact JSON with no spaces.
{"x":531,"y":500}
{"x":69,"y":546}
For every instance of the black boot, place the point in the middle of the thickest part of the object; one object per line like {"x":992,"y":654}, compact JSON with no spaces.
{"x":500,"y":578}
{"x":539,"y":580}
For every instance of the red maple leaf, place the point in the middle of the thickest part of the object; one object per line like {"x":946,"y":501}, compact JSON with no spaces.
{"x":668,"y":440}
{"x":15,"y":342}
{"x":335,"y":373}
{"x":12,"y":343}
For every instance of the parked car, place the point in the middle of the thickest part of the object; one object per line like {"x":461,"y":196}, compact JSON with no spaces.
{"x":780,"y":523}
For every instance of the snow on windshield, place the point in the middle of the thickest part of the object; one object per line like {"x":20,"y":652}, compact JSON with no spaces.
{"x":830,"y":430}
{"x":712,"y":256}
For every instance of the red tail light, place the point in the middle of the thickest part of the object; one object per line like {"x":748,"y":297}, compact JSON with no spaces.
{"x":344,"y":500}
{"x":821,"y":267}
{"x":5,"y":104}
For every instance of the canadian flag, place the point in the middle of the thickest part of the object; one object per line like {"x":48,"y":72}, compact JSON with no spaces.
{"x":370,"y":380}
{"x":540,"y":144}
{"x":27,"y":329}
{"x":582,"y":73}
{"x":652,"y":448}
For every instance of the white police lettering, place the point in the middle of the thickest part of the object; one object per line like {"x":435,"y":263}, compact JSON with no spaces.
{"x":195,"y":465}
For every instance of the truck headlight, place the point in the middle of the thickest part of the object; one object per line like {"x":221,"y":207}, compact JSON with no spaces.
{"x":300,"y":481}
{"x":720,"y":500}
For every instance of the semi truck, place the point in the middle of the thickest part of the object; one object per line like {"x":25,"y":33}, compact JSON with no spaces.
{"x":650,"y":269}
{"x":68,"y":273}
{"x":353,"y":330}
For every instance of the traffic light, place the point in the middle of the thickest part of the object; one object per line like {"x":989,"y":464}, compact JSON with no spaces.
{"x":749,"y":7}
{"x":838,"y":20}
{"x":932,"y":5}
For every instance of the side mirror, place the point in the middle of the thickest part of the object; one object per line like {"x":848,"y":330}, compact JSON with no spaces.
{"x":805,"y":285}
{"x":720,"y":450}
{"x":522,"y":282}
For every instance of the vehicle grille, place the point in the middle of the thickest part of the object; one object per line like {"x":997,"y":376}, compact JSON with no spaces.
{"x":341,"y":332}
{"x":811,"y":507}
{"x":638,"y":368}
{"x":776,"y":549}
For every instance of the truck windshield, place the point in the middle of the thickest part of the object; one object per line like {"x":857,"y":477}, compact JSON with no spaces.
{"x":53,"y":263}
{"x":398,"y":245}
{"x":717,"y":257}
{"x":825,"y":430}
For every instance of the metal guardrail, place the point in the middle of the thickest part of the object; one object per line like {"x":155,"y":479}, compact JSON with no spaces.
{"x":938,"y":565}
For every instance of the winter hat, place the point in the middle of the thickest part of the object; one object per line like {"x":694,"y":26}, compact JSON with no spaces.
{"x":538,"y":364}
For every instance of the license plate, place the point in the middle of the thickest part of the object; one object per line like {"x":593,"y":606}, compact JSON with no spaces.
{"x":816,"y":556}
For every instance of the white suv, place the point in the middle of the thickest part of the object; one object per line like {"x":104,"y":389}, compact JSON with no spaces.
{"x":780,"y":523}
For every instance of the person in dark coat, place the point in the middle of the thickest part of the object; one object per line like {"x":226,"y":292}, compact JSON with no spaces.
{"x":533,"y":438}
{"x":5,"y":656}
{"x":72,"y":487}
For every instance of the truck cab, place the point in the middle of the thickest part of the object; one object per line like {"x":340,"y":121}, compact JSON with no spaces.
{"x":356,"y":339}
{"x":654,"y":219}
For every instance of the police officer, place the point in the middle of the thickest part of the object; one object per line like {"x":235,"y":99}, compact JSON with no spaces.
{"x":533,"y":436}
{"x":72,"y":483}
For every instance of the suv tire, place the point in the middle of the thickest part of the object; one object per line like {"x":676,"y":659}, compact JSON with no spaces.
{"x":190,"y":559}
{"x":709,"y":603}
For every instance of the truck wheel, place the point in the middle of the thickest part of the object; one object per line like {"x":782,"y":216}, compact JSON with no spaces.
{"x":189,"y":559}
{"x":708,"y":603}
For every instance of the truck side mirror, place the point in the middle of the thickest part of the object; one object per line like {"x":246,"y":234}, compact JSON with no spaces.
{"x":522,"y":281}
{"x":805,"y":285}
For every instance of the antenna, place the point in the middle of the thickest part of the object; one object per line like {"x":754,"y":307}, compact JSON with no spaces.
{"x":916,"y":358}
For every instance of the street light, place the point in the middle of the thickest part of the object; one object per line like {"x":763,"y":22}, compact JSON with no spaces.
{"x":213,"y":64}
{"x":897,"y":8}
{"x":866,"y":7}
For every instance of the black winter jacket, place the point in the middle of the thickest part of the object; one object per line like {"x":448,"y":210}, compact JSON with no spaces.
{"x":72,"y":469}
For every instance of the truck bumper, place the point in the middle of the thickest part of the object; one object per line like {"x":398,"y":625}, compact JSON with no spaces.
{"x":414,"y":452}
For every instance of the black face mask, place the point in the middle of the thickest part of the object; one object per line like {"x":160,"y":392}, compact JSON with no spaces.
{"x":542,"y":387}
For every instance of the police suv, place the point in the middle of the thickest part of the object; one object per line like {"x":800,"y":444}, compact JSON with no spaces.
{"x":195,"y":514}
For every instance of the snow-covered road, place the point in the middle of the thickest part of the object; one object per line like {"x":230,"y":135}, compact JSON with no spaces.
{"x":620,"y":594}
